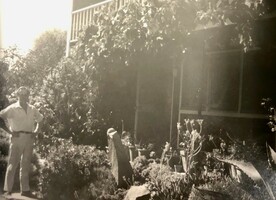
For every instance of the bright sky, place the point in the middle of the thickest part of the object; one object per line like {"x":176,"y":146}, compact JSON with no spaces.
{"x":24,"y":20}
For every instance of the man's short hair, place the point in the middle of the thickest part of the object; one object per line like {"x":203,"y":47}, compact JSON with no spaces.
{"x":22,"y":91}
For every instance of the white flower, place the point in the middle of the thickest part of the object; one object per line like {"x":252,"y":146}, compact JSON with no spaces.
{"x":178,"y":126}
{"x":195,"y":134}
{"x":187,"y":121}
{"x":200,"y":121}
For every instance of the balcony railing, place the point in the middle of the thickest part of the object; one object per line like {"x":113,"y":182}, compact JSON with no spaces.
{"x":84,"y":17}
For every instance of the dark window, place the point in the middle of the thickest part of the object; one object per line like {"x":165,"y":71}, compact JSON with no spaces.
{"x":223,"y":81}
{"x":192,"y":81}
{"x":259,"y":80}
{"x":222,"y":88}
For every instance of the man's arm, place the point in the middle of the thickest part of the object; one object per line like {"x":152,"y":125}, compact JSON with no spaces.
{"x":37,"y":127}
{"x":4,"y":126}
{"x":4,"y":114}
{"x":38,"y":118}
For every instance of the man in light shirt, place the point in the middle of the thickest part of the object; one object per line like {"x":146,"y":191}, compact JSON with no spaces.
{"x":22,"y":122}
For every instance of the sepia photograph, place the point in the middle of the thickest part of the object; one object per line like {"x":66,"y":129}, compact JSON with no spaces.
{"x":137,"y":99}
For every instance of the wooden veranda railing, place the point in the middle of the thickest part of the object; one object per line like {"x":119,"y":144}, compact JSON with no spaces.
{"x":83,"y":17}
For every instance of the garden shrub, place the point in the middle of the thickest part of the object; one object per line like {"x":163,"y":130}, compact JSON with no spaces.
{"x":75,"y":172}
{"x":4,"y":151}
{"x":34,"y":173}
{"x":4,"y":147}
{"x":139,"y":164}
{"x":165,"y":184}
{"x":118,"y":195}
{"x":3,"y":166}
{"x":232,"y":188}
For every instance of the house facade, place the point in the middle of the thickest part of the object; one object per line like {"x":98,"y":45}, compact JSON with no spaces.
{"x":218,"y":80}
{"x":225,"y":83}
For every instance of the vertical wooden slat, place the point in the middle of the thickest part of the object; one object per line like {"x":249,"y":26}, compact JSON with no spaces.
{"x":87,"y":18}
{"x":118,"y":4}
{"x":77,"y":25}
{"x":208,"y":85}
{"x":83,"y":20}
{"x":73,"y":26}
{"x":137,"y":104}
{"x":180,"y":94}
{"x":69,"y":30}
{"x":92,"y":15}
{"x":174,"y":74}
{"x":241,"y":81}
{"x":80,"y":22}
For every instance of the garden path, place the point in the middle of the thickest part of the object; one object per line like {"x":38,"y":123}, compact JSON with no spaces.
{"x":15,"y":196}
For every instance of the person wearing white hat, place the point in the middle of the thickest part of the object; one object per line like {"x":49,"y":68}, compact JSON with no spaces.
{"x":22,"y":122}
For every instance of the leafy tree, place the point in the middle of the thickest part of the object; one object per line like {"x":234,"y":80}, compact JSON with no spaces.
{"x":67,"y":101}
{"x":3,"y":90}
{"x":14,"y":68}
{"x":48,"y":50}
{"x":31,"y":70}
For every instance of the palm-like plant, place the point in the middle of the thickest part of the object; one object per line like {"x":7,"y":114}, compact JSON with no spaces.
{"x":191,"y":142}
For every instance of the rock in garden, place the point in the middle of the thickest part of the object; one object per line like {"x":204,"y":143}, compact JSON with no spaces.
{"x":138,"y":193}
{"x":120,"y":166}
